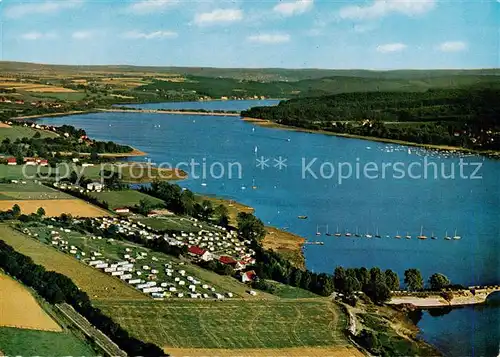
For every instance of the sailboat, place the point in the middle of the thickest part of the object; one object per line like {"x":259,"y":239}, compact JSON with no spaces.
{"x":327,"y":232}
{"x":368,"y":235}
{"x":408,"y":236}
{"x":397,"y":236}
{"x":357,"y":233}
{"x":253,"y":184}
{"x":317,"y":231}
{"x":348,"y":234}
{"x":455,"y":236}
{"x":433,"y":236}
{"x":421,"y":236}
{"x":377,"y":235}
{"x":255,"y":150}
{"x":337,"y":233}
{"x":446,"y":236}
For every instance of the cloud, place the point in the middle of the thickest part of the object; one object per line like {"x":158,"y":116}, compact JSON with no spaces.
{"x":218,"y":16}
{"x":452,"y":46}
{"x":293,"y":8}
{"x":381,"y":8}
{"x":363,"y":28}
{"x":82,"y":35}
{"x":35,"y":35}
{"x":391,"y":47}
{"x":150,"y":36}
{"x":149,"y":6}
{"x":269,"y":38}
{"x":47,"y":7}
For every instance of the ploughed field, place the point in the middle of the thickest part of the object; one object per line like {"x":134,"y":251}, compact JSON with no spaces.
{"x":95,"y":283}
{"x":232,"y":324}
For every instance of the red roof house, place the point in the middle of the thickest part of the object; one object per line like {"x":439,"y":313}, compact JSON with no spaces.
{"x":227,"y":260}
{"x":248,"y":276}
{"x":11,"y":161}
{"x":200,"y":253}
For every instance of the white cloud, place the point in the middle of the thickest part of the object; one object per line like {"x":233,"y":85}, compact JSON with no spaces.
{"x":391,"y":47}
{"x":149,"y":6}
{"x":380,"y":8}
{"x":269,"y":38}
{"x":35,"y":35}
{"x":218,"y":16}
{"x":83,"y":35}
{"x":293,"y":8}
{"x":150,"y":35}
{"x":452,"y":46}
{"x":47,"y":7}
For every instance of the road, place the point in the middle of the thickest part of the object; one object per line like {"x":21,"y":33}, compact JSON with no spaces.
{"x":101,"y":339}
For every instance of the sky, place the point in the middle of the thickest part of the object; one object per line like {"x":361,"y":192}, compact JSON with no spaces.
{"x":343,"y":34}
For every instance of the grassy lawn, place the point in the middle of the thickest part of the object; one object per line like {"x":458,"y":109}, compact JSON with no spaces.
{"x":21,"y":342}
{"x":69,"y":96}
{"x":15,"y":132}
{"x":128,"y":198}
{"x":291,"y":292}
{"x":232,"y":324}
{"x":29,"y":191}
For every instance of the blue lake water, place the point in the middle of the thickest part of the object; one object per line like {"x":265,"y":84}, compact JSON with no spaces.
{"x":362,"y":202}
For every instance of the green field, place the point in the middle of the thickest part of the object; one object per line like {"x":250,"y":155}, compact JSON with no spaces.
{"x":290,"y":292}
{"x":232,"y":324}
{"x":128,"y":198}
{"x":21,"y":342}
{"x":69,"y":96}
{"x":29,"y":191}
{"x":19,"y":132}
{"x":172,"y":223}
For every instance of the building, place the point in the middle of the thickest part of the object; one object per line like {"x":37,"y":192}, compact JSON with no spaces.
{"x":200,"y":253}
{"x":122,"y":210}
{"x":29,"y":161}
{"x":43,"y":162}
{"x":11,"y":161}
{"x":248,"y":276}
{"x":227,"y":260}
{"x":95,"y":186}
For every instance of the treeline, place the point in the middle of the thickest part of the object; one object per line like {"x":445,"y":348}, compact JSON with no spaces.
{"x":57,"y":288}
{"x":466,"y":117}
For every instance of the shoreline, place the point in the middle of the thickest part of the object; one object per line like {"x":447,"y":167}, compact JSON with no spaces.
{"x":270,"y":124}
{"x":288,"y":244}
{"x":162,"y":111}
{"x":460,"y":298}
{"x":61,"y":114}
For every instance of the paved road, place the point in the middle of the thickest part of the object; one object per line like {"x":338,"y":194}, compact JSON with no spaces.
{"x":101,"y":339}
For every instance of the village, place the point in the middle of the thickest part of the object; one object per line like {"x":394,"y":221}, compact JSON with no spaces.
{"x":153,"y":273}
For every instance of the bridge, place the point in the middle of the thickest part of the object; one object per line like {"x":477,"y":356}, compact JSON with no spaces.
{"x":470,"y":296}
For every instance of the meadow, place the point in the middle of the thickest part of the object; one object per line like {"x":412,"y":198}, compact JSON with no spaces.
{"x":18,"y":132}
{"x":20,"y":309}
{"x":232,"y":324}
{"x":95,"y":283}
{"x":127,"y":198}
{"x":22,"y":342}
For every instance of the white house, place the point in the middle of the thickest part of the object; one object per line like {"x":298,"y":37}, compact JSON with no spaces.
{"x":95,"y":186}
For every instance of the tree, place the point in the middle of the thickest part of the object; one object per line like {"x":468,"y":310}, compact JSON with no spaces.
{"x":250,"y":227}
{"x":369,"y":340}
{"x":414,"y":280}
{"x":144,"y":206}
{"x":391,"y":280}
{"x":339,"y":278}
{"x":222,"y":215}
{"x":40,"y":212}
{"x":447,"y":295}
{"x":438,"y":281}
{"x":16,"y":210}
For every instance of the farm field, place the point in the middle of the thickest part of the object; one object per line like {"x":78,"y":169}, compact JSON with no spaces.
{"x":19,"y":132}
{"x":53,"y":208}
{"x":115,"y":250}
{"x":22,"y":342}
{"x":128,"y":198}
{"x":34,"y":87}
{"x":93,"y":282}
{"x":20,"y":309}
{"x":30,"y":191}
{"x":232,"y":324}
{"x":275,"y":352}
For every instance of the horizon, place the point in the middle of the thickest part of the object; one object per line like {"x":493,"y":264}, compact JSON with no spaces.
{"x":376,"y":35}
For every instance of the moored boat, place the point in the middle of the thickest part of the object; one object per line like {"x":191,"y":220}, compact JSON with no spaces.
{"x":455,"y":236}
{"x":422,"y":236}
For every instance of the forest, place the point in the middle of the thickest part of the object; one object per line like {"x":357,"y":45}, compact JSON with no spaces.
{"x":466,"y":117}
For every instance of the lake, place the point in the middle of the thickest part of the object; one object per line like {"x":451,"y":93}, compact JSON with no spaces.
{"x":308,"y":174}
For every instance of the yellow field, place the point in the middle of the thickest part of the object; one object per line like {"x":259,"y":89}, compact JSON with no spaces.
{"x":279,"y":352}
{"x":3,"y":125}
{"x":53,"y":208}
{"x":96,"y":284}
{"x":18,"y":308}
